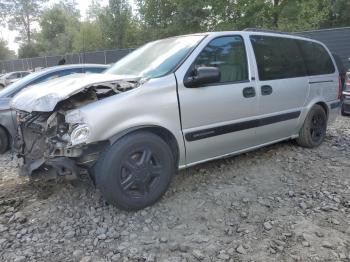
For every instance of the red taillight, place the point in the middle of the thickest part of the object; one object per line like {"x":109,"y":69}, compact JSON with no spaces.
{"x":340,"y":89}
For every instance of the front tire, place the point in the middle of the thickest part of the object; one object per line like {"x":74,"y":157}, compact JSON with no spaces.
{"x":343,"y":113}
{"x":136,"y":171}
{"x":4,"y":140}
{"x":313,"y":131}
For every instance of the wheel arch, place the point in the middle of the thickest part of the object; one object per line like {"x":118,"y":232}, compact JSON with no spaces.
{"x":324,"y":106}
{"x":316,"y":101}
{"x":160,"y":131}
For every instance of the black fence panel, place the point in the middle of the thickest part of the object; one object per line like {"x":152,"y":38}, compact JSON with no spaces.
{"x":337,"y":40}
{"x":52,"y":60}
{"x":113,"y":56}
{"x":98,"y":57}
{"x":38,"y":62}
{"x":73,"y":59}
{"x":7,"y":67}
{"x":18,"y":64}
{"x":94,"y":57}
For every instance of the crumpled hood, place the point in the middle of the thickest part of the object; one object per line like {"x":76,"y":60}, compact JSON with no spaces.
{"x":44,"y":97}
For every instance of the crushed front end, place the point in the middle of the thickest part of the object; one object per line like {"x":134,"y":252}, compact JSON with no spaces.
{"x":44,"y":140}
{"x":57,"y":140}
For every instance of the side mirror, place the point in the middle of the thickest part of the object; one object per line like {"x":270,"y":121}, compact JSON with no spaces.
{"x":203,"y":75}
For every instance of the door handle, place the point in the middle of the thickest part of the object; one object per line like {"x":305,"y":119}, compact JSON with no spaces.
{"x":266,"y":90}
{"x":248,"y":92}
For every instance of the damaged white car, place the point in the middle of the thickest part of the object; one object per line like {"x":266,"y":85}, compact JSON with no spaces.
{"x":175,"y":103}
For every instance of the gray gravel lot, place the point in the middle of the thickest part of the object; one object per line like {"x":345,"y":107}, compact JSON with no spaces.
{"x":279,"y":203}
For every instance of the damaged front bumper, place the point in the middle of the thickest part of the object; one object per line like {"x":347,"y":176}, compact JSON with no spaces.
{"x":53,"y":132}
{"x":44,"y":142}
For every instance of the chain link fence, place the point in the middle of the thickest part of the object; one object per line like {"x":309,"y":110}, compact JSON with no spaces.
{"x":97,"y":57}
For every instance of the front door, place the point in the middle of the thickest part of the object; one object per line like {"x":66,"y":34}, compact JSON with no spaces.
{"x":217,"y":118}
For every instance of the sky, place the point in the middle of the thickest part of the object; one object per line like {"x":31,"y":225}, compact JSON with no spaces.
{"x":10,"y":36}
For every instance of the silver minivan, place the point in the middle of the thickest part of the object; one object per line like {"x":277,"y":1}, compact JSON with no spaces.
{"x":175,"y":103}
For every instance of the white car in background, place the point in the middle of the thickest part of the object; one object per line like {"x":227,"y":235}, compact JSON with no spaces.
{"x":12,"y":77}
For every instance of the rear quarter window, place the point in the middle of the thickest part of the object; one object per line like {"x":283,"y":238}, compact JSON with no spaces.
{"x":277,"y":57}
{"x":317,"y":59}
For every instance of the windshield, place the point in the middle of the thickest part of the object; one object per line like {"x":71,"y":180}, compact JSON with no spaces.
{"x":18,"y":85}
{"x":157,"y":58}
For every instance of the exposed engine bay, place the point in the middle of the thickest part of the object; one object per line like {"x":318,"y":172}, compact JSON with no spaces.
{"x":47,"y":139}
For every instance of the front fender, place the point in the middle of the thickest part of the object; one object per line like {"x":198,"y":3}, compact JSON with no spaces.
{"x":152,"y":104}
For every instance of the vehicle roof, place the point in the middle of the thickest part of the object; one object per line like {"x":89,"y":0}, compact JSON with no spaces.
{"x":268,"y":33}
{"x":249,"y":32}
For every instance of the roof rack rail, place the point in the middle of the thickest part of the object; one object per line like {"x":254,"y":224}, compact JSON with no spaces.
{"x":267,"y":31}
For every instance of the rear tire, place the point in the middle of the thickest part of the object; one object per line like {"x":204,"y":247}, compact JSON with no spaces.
{"x":343,"y":112}
{"x":136,"y":171}
{"x":4,"y":140}
{"x":313,"y":131}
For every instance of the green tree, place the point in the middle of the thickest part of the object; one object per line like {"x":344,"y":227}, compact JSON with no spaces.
{"x":89,"y":38}
{"x":5,"y":52}
{"x":59,"y":26}
{"x":339,"y":13}
{"x":21,"y":14}
{"x":304,"y":15}
{"x":115,"y":20}
{"x":173,"y":17}
{"x":27,"y":50}
{"x":239,"y":14}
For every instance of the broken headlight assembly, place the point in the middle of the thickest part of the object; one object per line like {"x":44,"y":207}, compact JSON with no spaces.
{"x":80,"y":134}
{"x":80,"y":131}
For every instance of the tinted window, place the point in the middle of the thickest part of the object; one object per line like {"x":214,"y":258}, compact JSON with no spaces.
{"x":317,"y":59}
{"x":278,"y":57}
{"x":228,"y":54}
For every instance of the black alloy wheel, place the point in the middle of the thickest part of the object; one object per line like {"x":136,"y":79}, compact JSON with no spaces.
{"x":314,"y":129}
{"x":140,"y":172}
{"x":318,"y":127}
{"x":135,"y":171}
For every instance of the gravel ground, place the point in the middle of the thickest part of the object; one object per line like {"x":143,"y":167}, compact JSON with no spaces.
{"x":279,"y":203}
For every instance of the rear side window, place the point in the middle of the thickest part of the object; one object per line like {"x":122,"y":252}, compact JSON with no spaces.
{"x":278,"y":57}
{"x":228,"y":54}
{"x":317,"y":59}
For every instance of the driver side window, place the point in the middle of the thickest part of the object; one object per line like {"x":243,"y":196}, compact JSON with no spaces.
{"x":228,"y":54}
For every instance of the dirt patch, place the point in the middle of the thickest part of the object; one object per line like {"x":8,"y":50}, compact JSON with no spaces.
{"x":279,"y":203}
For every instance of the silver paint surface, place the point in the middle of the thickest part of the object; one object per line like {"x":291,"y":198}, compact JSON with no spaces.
{"x":155,"y":103}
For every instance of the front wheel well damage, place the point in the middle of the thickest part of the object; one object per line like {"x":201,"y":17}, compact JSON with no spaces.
{"x":162,"y":132}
